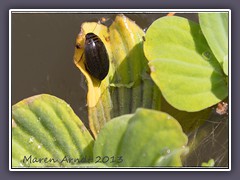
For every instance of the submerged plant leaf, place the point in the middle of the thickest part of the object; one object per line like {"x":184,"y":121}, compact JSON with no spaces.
{"x":128,"y":84}
{"x":182,"y":64}
{"x":45,"y":130}
{"x":145,"y":139}
{"x":215,"y":29}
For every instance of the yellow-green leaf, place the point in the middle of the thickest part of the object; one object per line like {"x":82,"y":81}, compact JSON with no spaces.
{"x":183,"y":66}
{"x":45,"y":130}
{"x":215,"y":29}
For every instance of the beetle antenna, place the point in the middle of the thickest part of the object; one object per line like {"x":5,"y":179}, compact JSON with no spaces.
{"x":106,"y":21}
{"x":95,"y":26}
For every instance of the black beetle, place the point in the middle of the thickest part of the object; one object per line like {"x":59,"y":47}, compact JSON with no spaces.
{"x":96,"y":57}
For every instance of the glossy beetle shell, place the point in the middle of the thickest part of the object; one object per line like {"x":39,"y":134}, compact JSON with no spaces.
{"x":96,"y":57}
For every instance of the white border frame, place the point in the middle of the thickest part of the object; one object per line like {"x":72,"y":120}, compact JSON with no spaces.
{"x":92,"y":11}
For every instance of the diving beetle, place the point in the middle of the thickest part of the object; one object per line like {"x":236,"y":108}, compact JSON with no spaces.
{"x":96,"y":56}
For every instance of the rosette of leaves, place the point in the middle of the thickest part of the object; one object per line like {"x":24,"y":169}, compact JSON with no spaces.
{"x":128,"y":84}
{"x":44,"y":126}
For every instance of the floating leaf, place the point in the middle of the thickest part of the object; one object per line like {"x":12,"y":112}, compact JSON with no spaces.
{"x":145,"y":139}
{"x":225,"y":65}
{"x":215,"y":29}
{"x":182,"y":64}
{"x":128,"y":84}
{"x":45,"y":130}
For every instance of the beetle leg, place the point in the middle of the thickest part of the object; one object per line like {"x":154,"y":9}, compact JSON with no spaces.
{"x":80,"y":58}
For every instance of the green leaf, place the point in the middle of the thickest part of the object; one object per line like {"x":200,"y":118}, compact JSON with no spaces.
{"x":215,"y":29}
{"x":182,"y":64}
{"x":45,"y":128}
{"x":128,"y":84}
{"x":143,"y":139}
{"x":210,"y":163}
{"x":225,"y":65}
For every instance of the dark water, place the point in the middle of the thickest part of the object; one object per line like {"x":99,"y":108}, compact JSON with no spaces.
{"x":42,"y":60}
